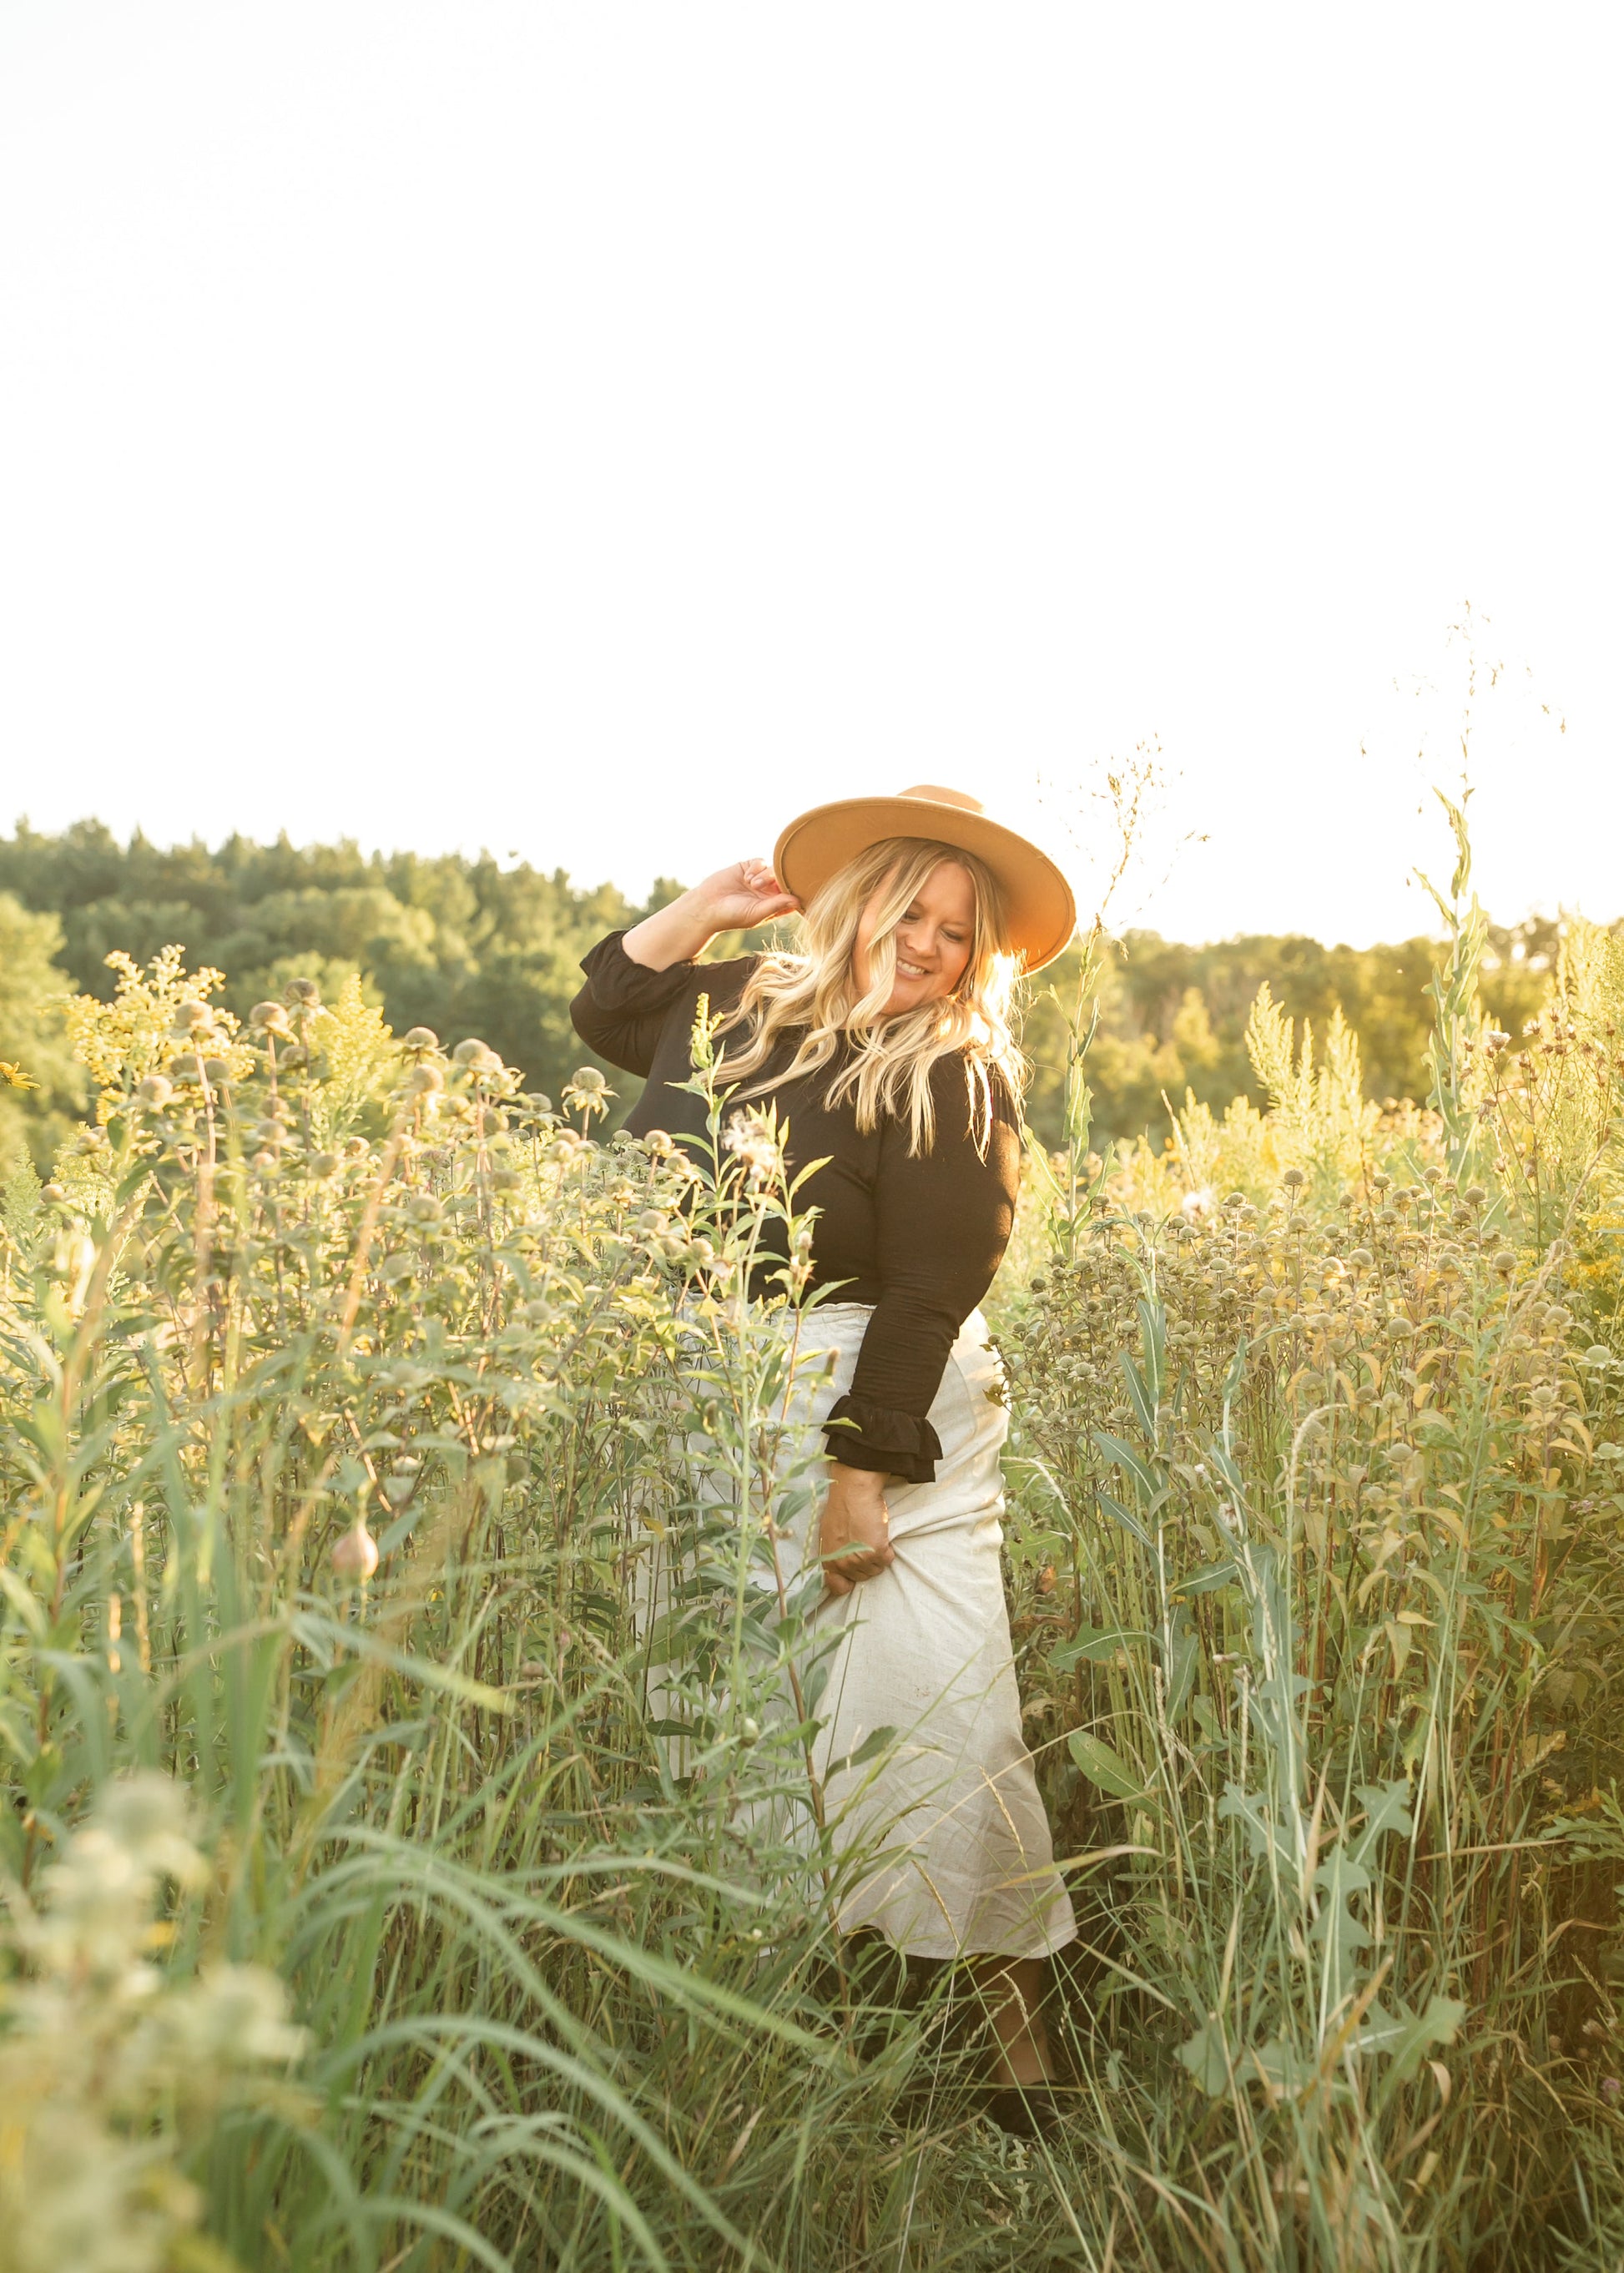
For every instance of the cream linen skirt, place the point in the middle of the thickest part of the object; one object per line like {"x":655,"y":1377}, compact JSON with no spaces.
{"x":959,"y":1859}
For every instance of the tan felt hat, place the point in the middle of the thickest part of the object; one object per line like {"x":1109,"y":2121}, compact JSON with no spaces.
{"x":1038,"y":905}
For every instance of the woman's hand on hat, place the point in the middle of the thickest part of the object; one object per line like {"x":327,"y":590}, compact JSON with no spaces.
{"x":747,"y":894}
{"x":734,"y":899}
{"x":854,"y":1531}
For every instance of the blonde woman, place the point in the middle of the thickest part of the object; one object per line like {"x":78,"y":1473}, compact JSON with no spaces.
{"x":887,"y":1046}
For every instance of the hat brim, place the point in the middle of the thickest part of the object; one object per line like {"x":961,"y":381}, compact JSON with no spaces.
{"x":1038,"y":905}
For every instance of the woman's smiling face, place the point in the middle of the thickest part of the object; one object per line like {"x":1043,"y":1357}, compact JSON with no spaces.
{"x":933,"y":939}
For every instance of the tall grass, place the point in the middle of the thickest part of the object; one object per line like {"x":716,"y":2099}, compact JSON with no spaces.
{"x":351,"y":1398}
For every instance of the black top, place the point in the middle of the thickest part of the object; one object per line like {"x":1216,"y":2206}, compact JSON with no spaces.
{"x":918,"y":1238}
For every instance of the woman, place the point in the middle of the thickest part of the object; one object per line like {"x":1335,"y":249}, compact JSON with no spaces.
{"x":886,"y":1047}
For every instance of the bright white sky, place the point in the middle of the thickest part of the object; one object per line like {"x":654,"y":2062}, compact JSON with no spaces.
{"x":598,"y":431}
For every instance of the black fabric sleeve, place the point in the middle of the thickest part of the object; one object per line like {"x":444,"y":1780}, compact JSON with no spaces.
{"x":621,"y":1010}
{"x":942,"y":1223}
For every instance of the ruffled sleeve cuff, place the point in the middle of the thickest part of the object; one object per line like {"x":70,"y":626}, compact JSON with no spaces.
{"x":878,"y":1437}
{"x":617,"y":983}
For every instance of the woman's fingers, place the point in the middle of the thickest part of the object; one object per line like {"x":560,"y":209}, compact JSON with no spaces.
{"x":842,"y":1570}
{"x":759,"y":878}
{"x":853,"y":1537}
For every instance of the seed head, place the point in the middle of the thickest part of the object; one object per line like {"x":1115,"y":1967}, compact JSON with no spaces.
{"x":1294,"y":1180}
{"x":190,"y":1015}
{"x":54,"y":1193}
{"x":420,"y":1037}
{"x":424,"y":1080}
{"x":270,"y":1018}
{"x":155,"y":1090}
{"x":355,"y":1553}
{"x":588,"y":1081}
{"x":303,"y":993}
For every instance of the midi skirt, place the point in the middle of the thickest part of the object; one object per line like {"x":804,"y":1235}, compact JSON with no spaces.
{"x":955,"y":1858}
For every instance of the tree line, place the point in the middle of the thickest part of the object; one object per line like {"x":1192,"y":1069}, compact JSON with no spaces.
{"x":470,"y":947}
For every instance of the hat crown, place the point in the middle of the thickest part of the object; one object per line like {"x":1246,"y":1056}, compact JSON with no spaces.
{"x":945,"y":796}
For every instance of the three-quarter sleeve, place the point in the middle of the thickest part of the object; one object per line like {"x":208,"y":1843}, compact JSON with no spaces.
{"x":942,"y":1221}
{"x":621,"y":1011}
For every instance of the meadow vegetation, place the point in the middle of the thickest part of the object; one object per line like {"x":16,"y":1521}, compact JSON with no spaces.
{"x":377,"y":1897}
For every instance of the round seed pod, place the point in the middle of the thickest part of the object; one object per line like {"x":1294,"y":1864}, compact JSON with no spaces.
{"x":355,"y":1556}
{"x":270,"y":1018}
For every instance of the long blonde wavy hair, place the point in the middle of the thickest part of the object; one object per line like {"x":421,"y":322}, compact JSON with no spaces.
{"x":889,"y":1070}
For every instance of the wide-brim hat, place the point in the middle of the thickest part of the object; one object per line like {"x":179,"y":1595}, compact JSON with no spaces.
{"x":1038,"y":907}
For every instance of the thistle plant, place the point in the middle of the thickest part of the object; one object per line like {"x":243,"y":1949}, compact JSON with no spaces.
{"x":114,"y":2060}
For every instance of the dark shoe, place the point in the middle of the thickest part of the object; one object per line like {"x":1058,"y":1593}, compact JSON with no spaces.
{"x":1025,"y":2110}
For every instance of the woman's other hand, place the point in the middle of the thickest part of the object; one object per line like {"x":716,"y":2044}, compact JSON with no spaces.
{"x":734,"y":899}
{"x":746,"y":895}
{"x":853,"y":1532}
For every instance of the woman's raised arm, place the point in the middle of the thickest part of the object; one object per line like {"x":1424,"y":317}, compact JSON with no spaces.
{"x":734,"y":899}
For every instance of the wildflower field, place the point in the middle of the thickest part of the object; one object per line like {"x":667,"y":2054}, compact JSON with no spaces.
{"x":358,"y":1914}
